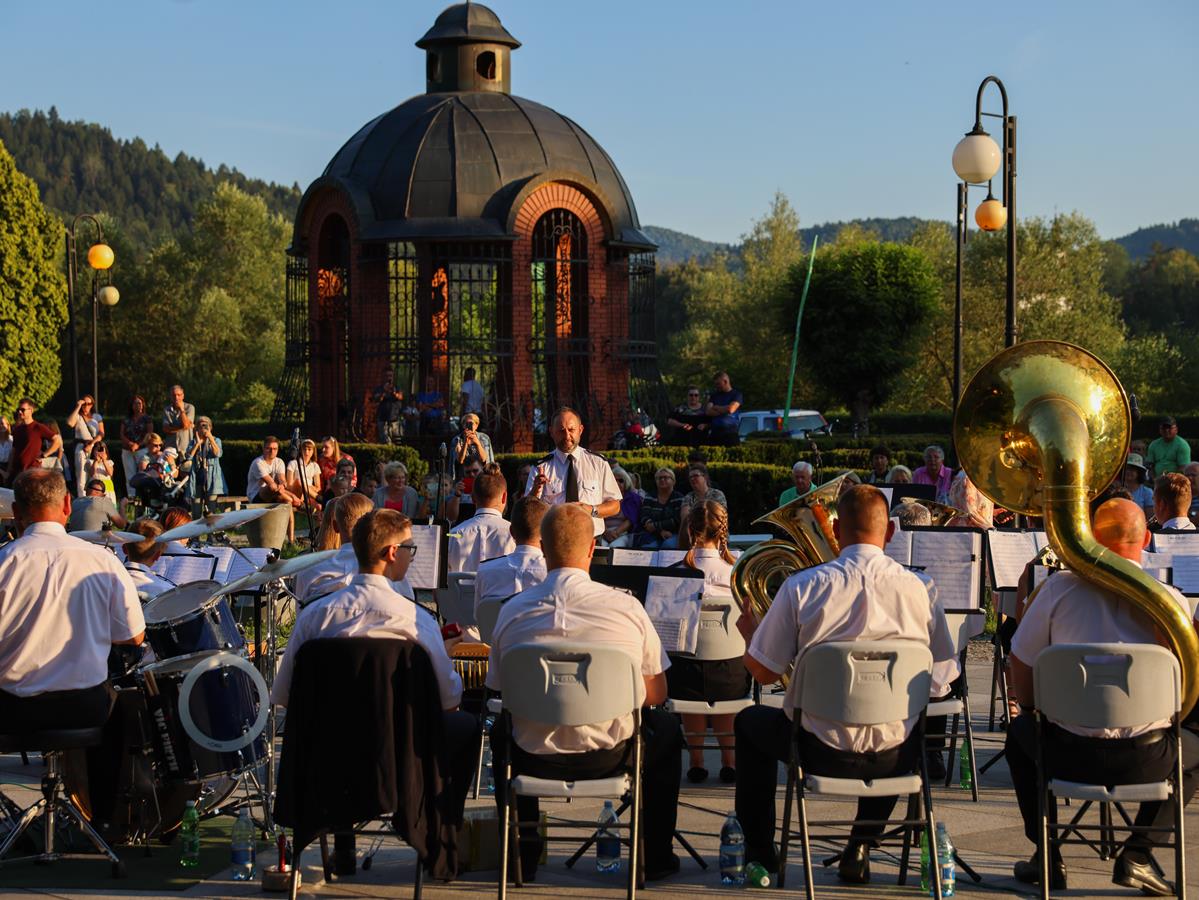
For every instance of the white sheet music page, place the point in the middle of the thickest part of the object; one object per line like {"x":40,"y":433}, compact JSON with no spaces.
{"x":426,"y":564}
{"x":625,"y":557}
{"x":246,"y":562}
{"x":1010,"y":552}
{"x":1039,"y":574}
{"x":953,"y":560}
{"x":672,"y":605}
{"x":664,"y":559}
{"x":186,"y":569}
{"x":899,"y":548}
{"x":1182,"y":543}
{"x":1186,"y":573}
{"x":1040,"y":538}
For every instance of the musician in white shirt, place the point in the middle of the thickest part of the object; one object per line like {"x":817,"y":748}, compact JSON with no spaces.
{"x":501,"y":578}
{"x":335,"y":573}
{"x":573,"y":475}
{"x":141,"y":556}
{"x":863,"y":595}
{"x":569,"y":606}
{"x":1172,"y":502}
{"x":63,"y":604}
{"x":486,"y":534}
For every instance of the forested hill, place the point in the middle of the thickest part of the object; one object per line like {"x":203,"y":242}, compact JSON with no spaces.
{"x":1183,"y":234}
{"x":81,"y":167}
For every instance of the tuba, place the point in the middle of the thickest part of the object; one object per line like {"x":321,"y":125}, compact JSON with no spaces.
{"x":1041,"y":429}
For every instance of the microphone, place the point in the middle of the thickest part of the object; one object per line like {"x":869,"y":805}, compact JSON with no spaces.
{"x":1134,"y":409}
{"x":443,"y":451}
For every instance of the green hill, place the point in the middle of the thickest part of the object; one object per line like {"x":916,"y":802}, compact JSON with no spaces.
{"x":1183,"y":235}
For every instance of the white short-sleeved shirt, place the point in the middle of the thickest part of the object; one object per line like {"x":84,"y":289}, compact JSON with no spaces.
{"x":862,"y":595}
{"x":1179,"y":523}
{"x":63,"y":602}
{"x":597,"y":484}
{"x":312,"y":473}
{"x":569,"y":606}
{"x":335,"y":573}
{"x":474,"y":396}
{"x":1068,"y":610}
{"x":944,"y":671}
{"x":369,"y":607}
{"x":259,"y":469}
{"x":485,"y":535}
{"x":149,"y":583}
{"x":718,"y":574}
{"x":498,"y":579}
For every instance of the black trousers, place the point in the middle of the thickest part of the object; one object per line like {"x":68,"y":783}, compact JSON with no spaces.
{"x":663,"y":768}
{"x":84,"y":708}
{"x":764,"y":740}
{"x":1108,"y":761}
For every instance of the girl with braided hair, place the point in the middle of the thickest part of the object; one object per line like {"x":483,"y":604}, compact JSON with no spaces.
{"x":688,"y":678}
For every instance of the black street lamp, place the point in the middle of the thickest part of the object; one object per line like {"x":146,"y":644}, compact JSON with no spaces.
{"x":100,"y":258}
{"x":976,"y":160}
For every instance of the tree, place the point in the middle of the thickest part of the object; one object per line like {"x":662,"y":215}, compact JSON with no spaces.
{"x":33,"y":290}
{"x":870,"y":307}
{"x":1162,"y":291}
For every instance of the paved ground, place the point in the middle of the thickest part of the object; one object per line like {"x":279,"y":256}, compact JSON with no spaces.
{"x":988,"y":835}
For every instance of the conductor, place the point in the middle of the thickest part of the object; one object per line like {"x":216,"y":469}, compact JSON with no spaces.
{"x":572,"y":474}
{"x":63,"y":604}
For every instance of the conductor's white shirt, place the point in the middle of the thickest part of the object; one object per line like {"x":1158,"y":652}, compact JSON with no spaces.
{"x":498,"y":579}
{"x":862,"y":595}
{"x":485,"y":535}
{"x":63,"y":602}
{"x":1068,"y":610}
{"x":569,"y":606}
{"x":369,"y":607}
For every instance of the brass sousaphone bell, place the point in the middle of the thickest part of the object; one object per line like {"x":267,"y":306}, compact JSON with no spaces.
{"x":1043,"y":428}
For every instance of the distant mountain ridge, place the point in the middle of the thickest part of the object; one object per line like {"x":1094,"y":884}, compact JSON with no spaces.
{"x":1183,"y":234}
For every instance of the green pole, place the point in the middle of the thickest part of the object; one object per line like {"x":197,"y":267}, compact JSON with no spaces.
{"x":803,"y":298}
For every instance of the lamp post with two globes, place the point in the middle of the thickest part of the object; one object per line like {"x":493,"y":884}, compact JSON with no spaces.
{"x":100,"y":258}
{"x":976,"y":160}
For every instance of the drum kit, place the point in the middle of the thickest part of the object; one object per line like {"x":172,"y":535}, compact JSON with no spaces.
{"x":193,"y":719}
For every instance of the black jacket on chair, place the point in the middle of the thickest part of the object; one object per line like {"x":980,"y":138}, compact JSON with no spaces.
{"x":363,"y":738}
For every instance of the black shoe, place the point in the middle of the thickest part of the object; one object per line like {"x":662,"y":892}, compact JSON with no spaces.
{"x":655,"y":871}
{"x":728,"y":775}
{"x":1029,"y":871}
{"x":697,"y":774}
{"x":936,"y":765}
{"x":1140,"y":875}
{"x":854,"y":867}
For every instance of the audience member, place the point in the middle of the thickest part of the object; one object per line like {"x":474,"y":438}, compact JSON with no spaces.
{"x":205,"y":477}
{"x":100,"y":467}
{"x":1167,"y":453}
{"x":974,"y":509}
{"x":899,"y":475}
{"x":1135,"y":476}
{"x":304,"y":473}
{"x":431,"y":406}
{"x":935,"y":472}
{"x":1191,"y":471}
{"x":87,"y":430}
{"x":339,"y":486}
{"x":396,"y":493}
{"x":689,"y":421}
{"x":330,"y":459}
{"x":486,"y":534}
{"x":389,"y":409}
{"x":470,"y":398}
{"x":5,"y":446}
{"x":722,"y":406}
{"x":701,"y":490}
{"x":880,"y":465}
{"x":1172,"y":502}
{"x":450,"y":499}
{"x":135,"y":428}
{"x":623,"y":529}
{"x":178,"y":420}
{"x":94,"y":511}
{"x":801,"y":478}
{"x":266,"y":481}
{"x":470,"y":446}
{"x":28,"y":439}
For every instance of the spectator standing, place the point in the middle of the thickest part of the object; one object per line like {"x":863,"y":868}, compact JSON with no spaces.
{"x":431,"y":406}
{"x":1135,"y":476}
{"x":801,"y":475}
{"x":330,"y":459}
{"x":88,"y":429}
{"x":470,"y":397}
{"x":880,"y":465}
{"x":1168,"y":453}
{"x":100,"y":467}
{"x":661,"y":513}
{"x":205,"y":478}
{"x":266,"y":482}
{"x":935,"y":472}
{"x":395,"y":492}
{"x":470,"y":445}
{"x":28,"y":437}
{"x":389,"y":411}
{"x":94,"y":510}
{"x":1171,"y":501}
{"x":134,"y":429}
{"x":178,"y":421}
{"x":5,"y":445}
{"x":689,"y":420}
{"x":722,"y":407}
{"x":701,"y":490}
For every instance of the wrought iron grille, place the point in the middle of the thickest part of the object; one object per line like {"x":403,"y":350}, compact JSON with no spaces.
{"x":646,"y":389}
{"x":291,"y":398}
{"x":403,"y":333}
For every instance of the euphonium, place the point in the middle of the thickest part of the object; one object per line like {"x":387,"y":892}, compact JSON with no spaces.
{"x":1041,"y":429}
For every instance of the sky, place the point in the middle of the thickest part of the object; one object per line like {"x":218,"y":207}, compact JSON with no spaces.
{"x":708,"y":108}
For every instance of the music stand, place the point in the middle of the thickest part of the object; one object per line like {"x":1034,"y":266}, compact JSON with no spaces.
{"x":635,"y":579}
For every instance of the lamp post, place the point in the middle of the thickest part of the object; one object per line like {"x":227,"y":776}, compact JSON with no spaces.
{"x":976,"y":160}
{"x":100,"y":258}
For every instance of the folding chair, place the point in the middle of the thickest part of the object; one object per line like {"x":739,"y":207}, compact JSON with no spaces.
{"x":571,"y":684}
{"x":1006,"y":607}
{"x":487,"y":613}
{"x":456,"y":603}
{"x":861,"y":683}
{"x":963,"y":626}
{"x":1107,"y":686}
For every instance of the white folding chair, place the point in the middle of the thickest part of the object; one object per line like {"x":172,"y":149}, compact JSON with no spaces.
{"x":1005,"y":605}
{"x":570,"y":684}
{"x":861,"y":683}
{"x":487,"y":613}
{"x":1107,"y":686}
{"x":456,"y":603}
{"x":962,"y":626}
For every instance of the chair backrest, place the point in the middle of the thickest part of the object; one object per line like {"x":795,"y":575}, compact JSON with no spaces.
{"x":963,"y":626}
{"x":456,"y":603}
{"x":864,"y":682}
{"x":718,"y":634}
{"x":1107,"y":685}
{"x":569,"y":683}
{"x":487,"y":613}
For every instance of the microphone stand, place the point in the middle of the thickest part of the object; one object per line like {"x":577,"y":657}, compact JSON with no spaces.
{"x":816,"y":453}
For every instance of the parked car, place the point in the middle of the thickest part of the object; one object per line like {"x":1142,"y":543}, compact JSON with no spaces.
{"x":800,"y":424}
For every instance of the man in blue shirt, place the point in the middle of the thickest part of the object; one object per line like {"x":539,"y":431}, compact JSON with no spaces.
{"x":432,"y":409}
{"x":722,"y":407}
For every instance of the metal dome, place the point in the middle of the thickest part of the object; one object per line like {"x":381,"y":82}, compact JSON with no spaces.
{"x":465,"y":23}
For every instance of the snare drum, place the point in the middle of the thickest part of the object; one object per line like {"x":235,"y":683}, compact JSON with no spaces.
{"x":207,"y":713}
{"x":189,"y":619}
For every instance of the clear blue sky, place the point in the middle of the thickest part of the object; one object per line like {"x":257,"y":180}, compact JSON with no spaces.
{"x":851,"y":109}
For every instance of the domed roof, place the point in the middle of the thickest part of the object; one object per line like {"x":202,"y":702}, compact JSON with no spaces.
{"x":465,"y":23}
{"x":454,"y":165}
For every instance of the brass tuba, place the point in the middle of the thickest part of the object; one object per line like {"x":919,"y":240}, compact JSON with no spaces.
{"x":1041,"y":429}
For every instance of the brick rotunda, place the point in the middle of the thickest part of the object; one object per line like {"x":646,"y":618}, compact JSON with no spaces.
{"x":470,"y":228}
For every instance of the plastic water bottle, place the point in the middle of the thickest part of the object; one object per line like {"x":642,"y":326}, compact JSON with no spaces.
{"x":189,"y":837}
{"x":945,"y":859}
{"x":965,"y":776}
{"x":242,"y":847}
{"x":607,"y":843}
{"x":488,"y":771}
{"x":925,"y":876}
{"x":732,"y":852}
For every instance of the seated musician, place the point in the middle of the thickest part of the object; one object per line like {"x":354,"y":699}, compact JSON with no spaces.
{"x":504,"y":576}
{"x":1172,"y":503}
{"x":486,"y":534}
{"x":1068,"y":610}
{"x":140,"y":556}
{"x":863,"y":595}
{"x":63,"y":604}
{"x":709,"y":680}
{"x":569,"y":606}
{"x":335,"y":573}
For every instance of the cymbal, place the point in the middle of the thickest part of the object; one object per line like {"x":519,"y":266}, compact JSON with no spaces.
{"x":101,"y":536}
{"x":215,"y":522}
{"x":6,"y":499}
{"x":274,"y":571}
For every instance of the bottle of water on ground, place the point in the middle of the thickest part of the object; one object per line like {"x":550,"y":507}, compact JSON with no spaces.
{"x":242,"y":847}
{"x":189,"y":837}
{"x":488,"y":771}
{"x":732,"y":852}
{"x":965,"y":775}
{"x":607,"y":842}
{"x":925,"y":875}
{"x":946,"y":861}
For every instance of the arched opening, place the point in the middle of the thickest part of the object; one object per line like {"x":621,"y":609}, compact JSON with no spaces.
{"x":560,"y":314}
{"x":433,"y":67}
{"x":485,"y":65}
{"x":330,"y":324}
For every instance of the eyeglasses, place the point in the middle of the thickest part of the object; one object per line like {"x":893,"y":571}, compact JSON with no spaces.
{"x":411,"y":548}
{"x":693,"y":394}
{"x":665,"y":478}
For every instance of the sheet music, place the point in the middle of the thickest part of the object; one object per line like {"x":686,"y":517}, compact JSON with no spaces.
{"x":952,"y":560}
{"x":625,"y":557}
{"x":899,"y":548}
{"x":1010,"y":552}
{"x":672,"y":605}
{"x":887,"y":492}
{"x":1184,"y":543}
{"x":1040,"y":538}
{"x":232,"y":565}
{"x":1039,"y":574}
{"x":185,"y":569}
{"x":1186,"y":574}
{"x":427,"y":562}
{"x":664,"y":559}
